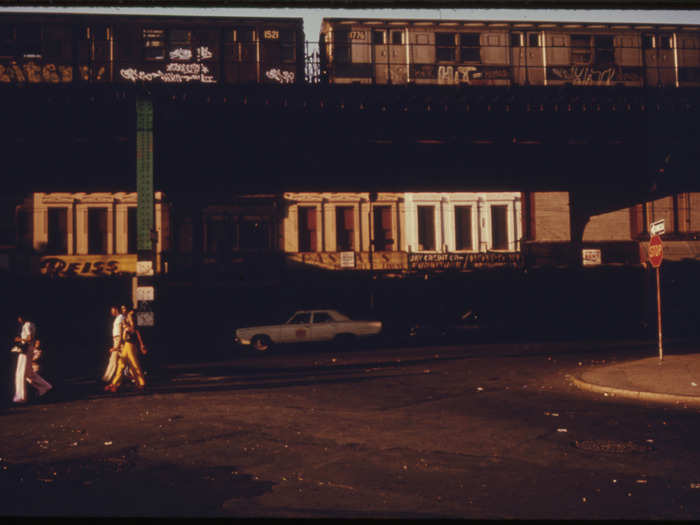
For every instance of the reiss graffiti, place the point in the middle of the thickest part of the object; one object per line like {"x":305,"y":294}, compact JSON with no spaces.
{"x":283,"y":77}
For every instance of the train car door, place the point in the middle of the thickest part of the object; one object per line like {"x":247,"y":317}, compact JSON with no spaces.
{"x":688,"y":59}
{"x":628,"y":59}
{"x":659,"y":59}
{"x":95,"y":53}
{"x":534,"y":61}
{"x":518,"y":58}
{"x":397,"y":56}
{"x":380,"y":56}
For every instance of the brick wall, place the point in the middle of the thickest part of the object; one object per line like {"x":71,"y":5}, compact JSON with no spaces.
{"x":550,"y":215}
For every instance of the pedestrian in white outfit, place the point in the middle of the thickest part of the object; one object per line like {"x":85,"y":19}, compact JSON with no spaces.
{"x":117,"y":326}
{"x":25,"y":373}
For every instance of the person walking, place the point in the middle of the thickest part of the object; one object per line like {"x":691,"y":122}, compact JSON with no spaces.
{"x":24,"y":372}
{"x":130,"y":336}
{"x":117,"y":326}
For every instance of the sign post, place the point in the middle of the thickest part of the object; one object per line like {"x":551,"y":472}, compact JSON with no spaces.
{"x":656,"y":255}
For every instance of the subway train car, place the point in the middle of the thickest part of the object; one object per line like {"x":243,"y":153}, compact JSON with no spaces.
{"x":91,"y":49}
{"x":441,"y":52}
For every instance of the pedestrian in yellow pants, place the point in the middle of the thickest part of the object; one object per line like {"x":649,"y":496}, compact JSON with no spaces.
{"x":128,"y":356}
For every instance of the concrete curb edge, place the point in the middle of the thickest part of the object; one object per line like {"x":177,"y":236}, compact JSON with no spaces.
{"x":654,"y":397}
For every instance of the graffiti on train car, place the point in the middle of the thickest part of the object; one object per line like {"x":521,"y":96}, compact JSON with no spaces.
{"x":452,"y":75}
{"x":174,"y":73}
{"x":283,"y":77}
{"x":462,"y":261}
{"x":33,"y":73}
{"x":587,"y":75}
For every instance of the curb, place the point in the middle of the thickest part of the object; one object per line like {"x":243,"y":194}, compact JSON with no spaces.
{"x":653,"y":397}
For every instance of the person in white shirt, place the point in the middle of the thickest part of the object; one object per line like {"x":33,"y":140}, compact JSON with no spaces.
{"x":117,"y":327}
{"x":24,"y":372}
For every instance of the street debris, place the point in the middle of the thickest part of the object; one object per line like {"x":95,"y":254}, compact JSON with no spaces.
{"x":562,"y":430}
{"x":693,"y":383}
{"x":479,"y":389}
{"x":641,"y":481}
{"x":426,"y":371}
{"x":695,"y":485}
{"x":108,"y":443}
{"x":553,"y":414}
{"x":584,"y":499}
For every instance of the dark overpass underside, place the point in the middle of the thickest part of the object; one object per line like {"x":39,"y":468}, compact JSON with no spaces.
{"x":610,"y":147}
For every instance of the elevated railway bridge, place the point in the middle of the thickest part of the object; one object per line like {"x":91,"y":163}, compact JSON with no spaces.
{"x":608,"y":147}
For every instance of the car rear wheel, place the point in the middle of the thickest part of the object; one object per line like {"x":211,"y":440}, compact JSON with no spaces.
{"x":261,"y":343}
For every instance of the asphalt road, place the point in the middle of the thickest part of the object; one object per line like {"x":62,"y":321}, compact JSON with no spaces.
{"x":485,"y":431}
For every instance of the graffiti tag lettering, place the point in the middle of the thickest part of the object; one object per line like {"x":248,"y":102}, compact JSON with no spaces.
{"x":174,"y":73}
{"x":283,"y":77}
{"x":32,"y":72}
{"x":585,"y":75}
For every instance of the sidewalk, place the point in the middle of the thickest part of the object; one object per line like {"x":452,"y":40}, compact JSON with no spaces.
{"x":674,"y":380}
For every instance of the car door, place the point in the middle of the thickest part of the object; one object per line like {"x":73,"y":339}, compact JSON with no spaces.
{"x":323,"y":327}
{"x":297,"y":329}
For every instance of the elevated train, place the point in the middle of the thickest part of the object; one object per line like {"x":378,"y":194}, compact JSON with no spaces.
{"x":443,"y":52}
{"x":91,"y":49}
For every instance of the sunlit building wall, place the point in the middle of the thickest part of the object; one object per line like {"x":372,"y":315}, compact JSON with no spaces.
{"x":87,"y":234}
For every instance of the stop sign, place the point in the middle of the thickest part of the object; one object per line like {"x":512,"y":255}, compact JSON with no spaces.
{"x":656,"y":251}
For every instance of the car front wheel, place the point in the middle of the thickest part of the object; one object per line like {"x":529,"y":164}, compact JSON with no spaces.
{"x":261,"y":343}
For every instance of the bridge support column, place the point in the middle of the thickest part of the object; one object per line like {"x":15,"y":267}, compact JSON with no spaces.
{"x":580,"y":214}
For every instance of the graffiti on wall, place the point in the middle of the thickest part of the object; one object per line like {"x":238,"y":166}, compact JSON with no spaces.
{"x":283,"y":77}
{"x":33,"y":73}
{"x":462,"y":261}
{"x":87,"y":265}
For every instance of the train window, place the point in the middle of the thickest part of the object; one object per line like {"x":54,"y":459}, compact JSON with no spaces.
{"x":533,"y":40}
{"x":665,"y":42}
{"x":604,"y":50}
{"x":245,"y":34}
{"x":180,"y":44}
{"x":445,"y":46}
{"x":153,"y":44}
{"x":397,"y":37}
{"x":57,"y":43}
{"x":517,"y":40}
{"x":29,"y":40}
{"x":7,"y":41}
{"x":469,"y":50}
{"x":580,"y":49}
{"x":341,"y":39}
{"x":689,"y":43}
{"x":288,"y":35}
{"x":648,"y":41}
{"x":378,"y":37}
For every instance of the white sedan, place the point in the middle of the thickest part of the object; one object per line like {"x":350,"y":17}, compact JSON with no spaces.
{"x":307,"y":326}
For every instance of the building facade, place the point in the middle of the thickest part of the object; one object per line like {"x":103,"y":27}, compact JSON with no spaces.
{"x":87,"y":234}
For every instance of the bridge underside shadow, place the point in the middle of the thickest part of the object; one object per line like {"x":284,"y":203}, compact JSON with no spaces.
{"x":609,"y":147}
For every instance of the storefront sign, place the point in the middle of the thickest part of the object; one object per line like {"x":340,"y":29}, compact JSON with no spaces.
{"x":347,"y":259}
{"x":333,"y":260}
{"x":87,"y":265}
{"x":592,"y":257}
{"x":462,"y":261}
